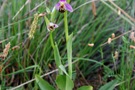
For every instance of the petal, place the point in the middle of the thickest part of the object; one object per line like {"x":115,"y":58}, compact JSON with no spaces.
{"x":68,"y":7}
{"x":57,"y":6}
{"x":51,"y":24}
{"x":62,"y":0}
{"x":55,"y":26}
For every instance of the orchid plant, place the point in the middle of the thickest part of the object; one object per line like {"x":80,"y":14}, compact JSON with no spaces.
{"x":64,"y":79}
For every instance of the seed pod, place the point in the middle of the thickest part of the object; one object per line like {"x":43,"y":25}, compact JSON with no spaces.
{"x":5,"y":51}
{"x":94,"y":10}
{"x":119,"y":12}
{"x":33,"y":26}
{"x":113,"y":35}
{"x":109,"y":40}
{"x":116,"y":55}
{"x":91,"y":45}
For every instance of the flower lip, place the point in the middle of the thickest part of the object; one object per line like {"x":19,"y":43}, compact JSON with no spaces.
{"x":62,"y":6}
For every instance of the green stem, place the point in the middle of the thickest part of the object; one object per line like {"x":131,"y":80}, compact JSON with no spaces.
{"x":66,"y":25}
{"x":68,"y":1}
{"x":66,"y":34}
{"x":54,"y":48}
{"x":51,"y":39}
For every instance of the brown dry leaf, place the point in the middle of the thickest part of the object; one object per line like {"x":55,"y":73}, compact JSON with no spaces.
{"x":94,"y":8}
{"x":42,"y":14}
{"x":132,"y":37}
{"x":15,"y":47}
{"x":1,"y":68}
{"x":132,"y":47}
{"x":49,"y":65}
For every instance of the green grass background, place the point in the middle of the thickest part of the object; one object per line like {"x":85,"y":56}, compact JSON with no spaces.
{"x":34,"y":56}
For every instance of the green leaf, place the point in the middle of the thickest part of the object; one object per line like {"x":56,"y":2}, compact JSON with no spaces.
{"x":22,"y":70}
{"x":64,"y":82}
{"x":69,"y":83}
{"x":63,"y":69}
{"x":69,"y":54}
{"x":57,"y":56}
{"x":125,"y":40}
{"x":61,"y":82}
{"x":48,"y":10}
{"x":44,"y":85}
{"x":53,"y":14}
{"x":85,"y":88}
{"x":109,"y":86}
{"x":69,"y":46}
{"x":46,"y":20}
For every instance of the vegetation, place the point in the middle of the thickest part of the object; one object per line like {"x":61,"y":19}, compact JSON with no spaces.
{"x":91,"y":49}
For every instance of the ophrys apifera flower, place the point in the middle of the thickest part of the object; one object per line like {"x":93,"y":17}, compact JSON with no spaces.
{"x":62,"y":6}
{"x":51,"y":26}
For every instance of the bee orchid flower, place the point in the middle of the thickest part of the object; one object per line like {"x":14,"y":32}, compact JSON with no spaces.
{"x":62,"y":6}
{"x":52,"y":26}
